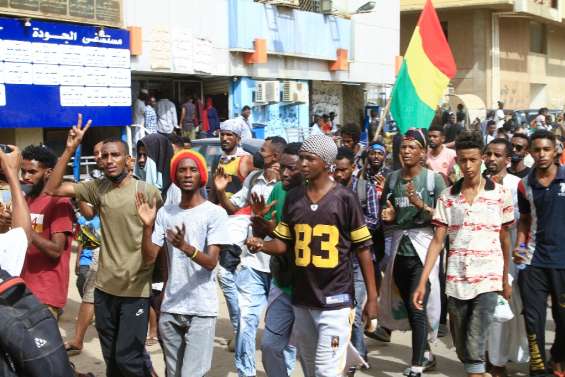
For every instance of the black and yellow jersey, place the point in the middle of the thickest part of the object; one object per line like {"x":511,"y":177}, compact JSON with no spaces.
{"x":321,"y":237}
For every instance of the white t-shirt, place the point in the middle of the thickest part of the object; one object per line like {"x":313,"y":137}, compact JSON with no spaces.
{"x":499,"y":118}
{"x":13,"y":247}
{"x":191,"y":289}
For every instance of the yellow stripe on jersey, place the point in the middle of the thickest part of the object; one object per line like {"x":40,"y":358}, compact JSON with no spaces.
{"x":360,"y":234}
{"x":282,"y":231}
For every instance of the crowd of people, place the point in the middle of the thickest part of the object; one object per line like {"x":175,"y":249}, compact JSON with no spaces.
{"x":321,"y":239}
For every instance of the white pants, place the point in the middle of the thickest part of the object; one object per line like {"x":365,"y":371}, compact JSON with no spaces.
{"x":322,"y":337}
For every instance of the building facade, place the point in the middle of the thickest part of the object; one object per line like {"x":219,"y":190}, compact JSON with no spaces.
{"x":509,"y":50}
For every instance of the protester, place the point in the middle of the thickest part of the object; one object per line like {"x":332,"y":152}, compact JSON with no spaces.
{"x":46,"y":268}
{"x":506,"y":341}
{"x":407,"y":202}
{"x":14,"y":242}
{"x":253,"y":278}
{"x":491,"y":131}
{"x":278,"y":355}
{"x":322,"y":223}
{"x":520,"y":145}
{"x":193,"y":230}
{"x":344,"y":166}
{"x":451,"y":130}
{"x":475,"y":213}
{"x":499,"y":116}
{"x":152,"y":164}
{"x":541,"y":236}
{"x":439,"y":158}
{"x":245,"y":123}
{"x":123,"y":280}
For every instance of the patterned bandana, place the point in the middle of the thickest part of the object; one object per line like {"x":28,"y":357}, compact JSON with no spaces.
{"x":378,"y":148}
{"x":416,"y":135}
{"x":322,"y":146}
{"x":231,"y":125}
{"x":194,"y":156}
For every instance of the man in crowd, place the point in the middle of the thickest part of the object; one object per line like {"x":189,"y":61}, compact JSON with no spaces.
{"x":166,"y":115}
{"x":123,"y":280}
{"x":188,"y":117}
{"x":451,"y":130}
{"x":150,"y":116}
{"x":244,"y":121}
{"x":520,"y":145}
{"x":322,"y":224}
{"x":14,"y":242}
{"x":253,"y":278}
{"x":194,"y":231}
{"x":407,"y":202}
{"x":475,"y":213}
{"x":278,"y":355}
{"x":344,"y":166}
{"x":350,"y":137}
{"x":237,"y":164}
{"x":499,"y":116}
{"x":440,"y":158}
{"x":506,"y":341}
{"x":541,"y":236}
{"x":490,"y":133}
{"x":46,"y":269}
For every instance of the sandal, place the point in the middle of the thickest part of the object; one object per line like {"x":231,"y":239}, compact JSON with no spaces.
{"x":151,"y":341}
{"x":72,"y":350}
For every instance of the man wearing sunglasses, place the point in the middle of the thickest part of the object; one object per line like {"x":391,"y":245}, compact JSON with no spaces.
{"x":520,"y":144}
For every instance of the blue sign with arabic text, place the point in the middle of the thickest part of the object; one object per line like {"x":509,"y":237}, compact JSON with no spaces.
{"x":50,"y":71}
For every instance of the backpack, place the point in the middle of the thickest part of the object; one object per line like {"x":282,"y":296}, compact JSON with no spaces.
{"x":30,"y":342}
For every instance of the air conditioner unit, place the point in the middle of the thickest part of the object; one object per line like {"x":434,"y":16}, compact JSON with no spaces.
{"x":272,"y":91}
{"x":294,"y":91}
{"x":260,"y":94}
{"x":334,"y":7}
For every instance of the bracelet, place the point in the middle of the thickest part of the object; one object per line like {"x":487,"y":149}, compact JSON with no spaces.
{"x":194,"y":254}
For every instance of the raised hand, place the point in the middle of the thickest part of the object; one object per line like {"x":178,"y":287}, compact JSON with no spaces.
{"x":389,"y":213}
{"x":177,"y":237}
{"x":413,"y":196}
{"x":258,"y":205}
{"x":221,"y":180}
{"x":77,"y":132}
{"x":262,"y":227}
{"x":11,"y":162}
{"x":254,"y":244}
{"x":147,"y":212}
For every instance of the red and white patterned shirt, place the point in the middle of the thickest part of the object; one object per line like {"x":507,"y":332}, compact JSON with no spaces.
{"x":475,"y":260}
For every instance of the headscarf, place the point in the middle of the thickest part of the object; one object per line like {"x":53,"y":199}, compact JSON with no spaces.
{"x":233,"y":126}
{"x":322,"y":146}
{"x":160,"y":150}
{"x":198,"y":159}
{"x":377,"y":147}
{"x":416,"y":135}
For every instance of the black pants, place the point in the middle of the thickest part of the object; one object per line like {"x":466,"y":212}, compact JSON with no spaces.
{"x":122,"y":323}
{"x":81,"y":279}
{"x":536,"y":284}
{"x":379,"y":253}
{"x":407,"y":272}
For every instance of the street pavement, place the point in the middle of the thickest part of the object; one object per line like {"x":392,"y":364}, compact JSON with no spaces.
{"x":386,"y":359}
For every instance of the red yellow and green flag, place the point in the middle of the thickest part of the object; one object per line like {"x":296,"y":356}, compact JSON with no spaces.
{"x":424,"y":75}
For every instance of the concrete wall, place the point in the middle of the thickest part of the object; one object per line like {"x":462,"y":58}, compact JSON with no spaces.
{"x":374,"y":42}
{"x":514,"y":50}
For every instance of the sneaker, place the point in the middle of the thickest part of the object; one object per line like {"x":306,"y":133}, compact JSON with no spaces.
{"x":429,"y":364}
{"x":442,"y":331}
{"x":381,"y":334}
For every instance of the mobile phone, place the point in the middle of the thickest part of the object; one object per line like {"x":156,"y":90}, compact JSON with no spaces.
{"x":4,"y":148}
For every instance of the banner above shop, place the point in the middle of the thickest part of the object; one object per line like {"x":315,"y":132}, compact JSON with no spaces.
{"x":94,"y":12}
{"x":51,"y":71}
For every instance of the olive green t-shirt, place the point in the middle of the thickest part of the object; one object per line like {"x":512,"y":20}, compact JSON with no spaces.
{"x":120,"y":270}
{"x":408,"y":216}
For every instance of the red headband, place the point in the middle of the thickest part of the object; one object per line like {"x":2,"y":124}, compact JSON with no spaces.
{"x":194,"y":156}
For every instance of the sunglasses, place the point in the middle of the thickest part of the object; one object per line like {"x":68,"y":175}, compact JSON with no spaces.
{"x":518,"y":148}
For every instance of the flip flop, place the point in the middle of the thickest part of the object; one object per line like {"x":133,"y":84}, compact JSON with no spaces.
{"x":151,"y":341}
{"x":72,"y":350}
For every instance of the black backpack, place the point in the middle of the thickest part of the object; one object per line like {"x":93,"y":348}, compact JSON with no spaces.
{"x":30,"y":342}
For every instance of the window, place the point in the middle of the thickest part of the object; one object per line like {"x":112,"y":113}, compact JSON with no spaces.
{"x":554,"y":4}
{"x":538,"y":38}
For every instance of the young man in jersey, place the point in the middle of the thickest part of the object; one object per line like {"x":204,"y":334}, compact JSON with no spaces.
{"x":476,"y":213}
{"x":123,"y":279}
{"x":407,"y":204}
{"x":237,"y":164}
{"x":46,"y":268}
{"x":254,"y":277}
{"x":194,"y":229}
{"x":322,"y":224}
{"x":541,"y":198}
{"x":278,"y":355}
{"x":507,"y":341}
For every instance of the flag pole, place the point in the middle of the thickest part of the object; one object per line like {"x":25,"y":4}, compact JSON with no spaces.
{"x":386,"y":110}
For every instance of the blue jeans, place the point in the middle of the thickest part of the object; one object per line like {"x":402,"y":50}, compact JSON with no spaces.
{"x":253,"y":289}
{"x":226,"y":279}
{"x":357,"y":331}
{"x":278,"y":356}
